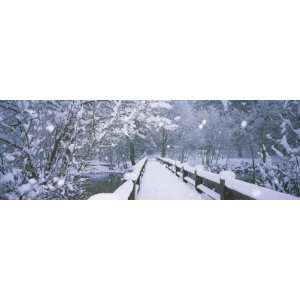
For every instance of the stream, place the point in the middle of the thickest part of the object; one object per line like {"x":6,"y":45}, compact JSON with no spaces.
{"x":104,"y":182}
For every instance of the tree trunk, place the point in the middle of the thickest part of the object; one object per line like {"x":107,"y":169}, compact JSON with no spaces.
{"x":263,"y":148}
{"x":264,"y":153}
{"x":118,"y":159}
{"x":111,"y":159}
{"x":131,"y":152}
{"x":240,"y":151}
{"x":253,"y":161}
{"x":182,"y":156}
{"x":164,"y":142}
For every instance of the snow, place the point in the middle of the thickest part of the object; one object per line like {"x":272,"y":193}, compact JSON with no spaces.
{"x":50,"y":128}
{"x":9,"y":177}
{"x":257,"y":192}
{"x":9,"y":157}
{"x":159,"y":183}
{"x":188,"y":168}
{"x":24,"y":188}
{"x":160,"y":104}
{"x":285,"y":144}
{"x":297,"y":131}
{"x":203,"y":123}
{"x":208,"y":175}
{"x":60,"y":182}
{"x":136,"y":170}
{"x":104,"y":196}
{"x":71,"y":147}
{"x":225,"y":104}
{"x":214,"y":195}
{"x":227,"y":175}
{"x":32,"y":181}
{"x":96,"y":166}
{"x":245,"y":188}
{"x":244,"y":124}
{"x":27,"y":187}
{"x":122,"y":193}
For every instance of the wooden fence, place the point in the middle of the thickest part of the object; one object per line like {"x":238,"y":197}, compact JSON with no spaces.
{"x":135,"y":177}
{"x":222,"y":186}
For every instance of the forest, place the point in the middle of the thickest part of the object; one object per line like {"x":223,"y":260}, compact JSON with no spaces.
{"x":50,"y":149}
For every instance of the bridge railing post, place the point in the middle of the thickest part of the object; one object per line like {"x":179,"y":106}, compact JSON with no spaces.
{"x":198,"y":180}
{"x":222,"y":189}
{"x":183,"y":174}
{"x":224,"y":192}
{"x":132,"y":194}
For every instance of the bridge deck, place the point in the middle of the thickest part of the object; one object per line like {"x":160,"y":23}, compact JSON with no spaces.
{"x":160,"y":183}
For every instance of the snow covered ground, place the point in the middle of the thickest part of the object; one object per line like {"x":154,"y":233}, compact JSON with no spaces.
{"x":159,"y":183}
{"x":96,"y":166}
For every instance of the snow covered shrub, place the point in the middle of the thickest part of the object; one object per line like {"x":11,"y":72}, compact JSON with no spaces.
{"x":38,"y":142}
{"x":44,"y":145}
{"x":283,"y":173}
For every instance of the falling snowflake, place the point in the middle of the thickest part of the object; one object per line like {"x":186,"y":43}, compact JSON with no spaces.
{"x":50,"y":128}
{"x":244,"y":124}
{"x":60,"y":182}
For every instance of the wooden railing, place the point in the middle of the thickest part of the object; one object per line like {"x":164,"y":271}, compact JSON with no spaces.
{"x":222,"y":186}
{"x":129,"y":189}
{"x":135,"y":177}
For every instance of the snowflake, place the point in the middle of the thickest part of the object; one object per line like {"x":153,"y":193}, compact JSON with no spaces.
{"x":50,"y":128}
{"x":244,"y":124}
{"x":60,"y":182}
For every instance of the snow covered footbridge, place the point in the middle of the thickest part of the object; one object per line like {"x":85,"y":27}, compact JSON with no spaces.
{"x":166,"y":179}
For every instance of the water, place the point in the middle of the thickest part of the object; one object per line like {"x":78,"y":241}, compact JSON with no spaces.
{"x":103,"y":182}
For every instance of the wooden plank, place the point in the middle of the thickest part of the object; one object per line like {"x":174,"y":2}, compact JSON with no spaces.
{"x":189,"y":180}
{"x":214,"y":195}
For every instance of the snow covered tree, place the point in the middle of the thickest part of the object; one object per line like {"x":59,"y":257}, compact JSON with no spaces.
{"x":139,"y":118}
{"x":284,"y":173}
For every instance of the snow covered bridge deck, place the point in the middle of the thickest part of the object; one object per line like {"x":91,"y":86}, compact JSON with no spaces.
{"x":165,"y":179}
{"x":160,"y":183}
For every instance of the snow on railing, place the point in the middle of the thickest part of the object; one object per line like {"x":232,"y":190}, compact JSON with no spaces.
{"x":129,"y":189}
{"x":223,"y":185}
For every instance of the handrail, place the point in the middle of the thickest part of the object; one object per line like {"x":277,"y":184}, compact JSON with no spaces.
{"x":223,"y":186}
{"x":129,"y":189}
